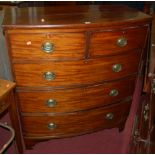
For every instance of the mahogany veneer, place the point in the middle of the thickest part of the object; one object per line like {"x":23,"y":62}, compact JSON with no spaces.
{"x":75,"y":67}
{"x":75,"y":99}
{"x":66,"y":45}
{"x":75,"y":123}
{"x":76,"y":72}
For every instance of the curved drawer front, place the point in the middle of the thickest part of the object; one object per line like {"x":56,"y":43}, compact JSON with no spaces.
{"x":47,"y":46}
{"x":68,"y":100}
{"x":111,"y":42}
{"x":76,"y":72}
{"x":77,"y":123}
{"x":76,"y":99}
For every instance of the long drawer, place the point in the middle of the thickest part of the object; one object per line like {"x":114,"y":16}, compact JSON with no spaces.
{"x":76,"y":72}
{"x":67,"y":100}
{"x":47,"y":45}
{"x":70,"y":124}
{"x":115,"y":41}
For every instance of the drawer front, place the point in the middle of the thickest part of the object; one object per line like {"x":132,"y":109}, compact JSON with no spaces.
{"x":76,"y":72}
{"x":75,"y":123}
{"x":47,"y":46}
{"x":76,"y":99}
{"x":112,"y":42}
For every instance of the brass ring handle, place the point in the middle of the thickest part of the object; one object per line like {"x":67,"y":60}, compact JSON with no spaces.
{"x":49,"y":76}
{"x":113,"y":92}
{"x":121,"y":42}
{"x":48,"y":47}
{"x":51,"y":103}
{"x":117,"y":67}
{"x":109,"y":116}
{"x":52,"y":126}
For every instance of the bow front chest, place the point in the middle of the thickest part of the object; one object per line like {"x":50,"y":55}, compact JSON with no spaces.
{"x":75,"y":68}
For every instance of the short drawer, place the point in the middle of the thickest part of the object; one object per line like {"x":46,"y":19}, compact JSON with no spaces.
{"x":76,"y":72}
{"x":68,"y":100}
{"x":70,"y":124}
{"x":116,"y":41}
{"x":47,"y":46}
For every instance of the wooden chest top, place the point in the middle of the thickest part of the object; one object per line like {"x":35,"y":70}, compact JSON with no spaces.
{"x":72,"y":16}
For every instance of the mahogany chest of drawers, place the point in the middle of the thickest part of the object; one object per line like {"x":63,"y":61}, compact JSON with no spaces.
{"x":75,"y":67}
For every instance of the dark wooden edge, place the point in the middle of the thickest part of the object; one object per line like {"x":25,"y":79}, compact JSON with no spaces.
{"x":30,"y":142}
{"x":13,"y":112}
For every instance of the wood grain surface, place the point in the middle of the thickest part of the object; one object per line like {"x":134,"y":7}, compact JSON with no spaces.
{"x":76,"y":72}
{"x":5,"y":87}
{"x":105,"y":43}
{"x":66,"y":45}
{"x":68,"y":100}
{"x":85,"y":16}
{"x":74,"y":123}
